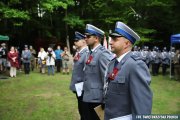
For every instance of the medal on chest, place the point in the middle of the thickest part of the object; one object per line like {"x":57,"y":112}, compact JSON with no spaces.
{"x":113,"y":74}
{"x":89,"y":59}
{"x":77,"y":57}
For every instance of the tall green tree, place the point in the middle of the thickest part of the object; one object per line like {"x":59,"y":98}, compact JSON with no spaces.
{"x":27,"y":20}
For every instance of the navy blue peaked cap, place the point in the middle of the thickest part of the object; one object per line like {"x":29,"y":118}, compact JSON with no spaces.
{"x":92,"y":30}
{"x":79,"y":36}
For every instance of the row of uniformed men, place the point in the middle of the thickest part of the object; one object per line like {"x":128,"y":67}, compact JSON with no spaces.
{"x":122,"y":83}
{"x":156,"y":57}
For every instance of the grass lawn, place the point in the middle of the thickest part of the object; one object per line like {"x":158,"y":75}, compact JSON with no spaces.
{"x":166,"y":95}
{"x":43,"y":97}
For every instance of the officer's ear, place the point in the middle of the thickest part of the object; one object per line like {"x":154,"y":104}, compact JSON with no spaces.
{"x":128,"y":43}
{"x":84,"y":41}
{"x":97,"y":39}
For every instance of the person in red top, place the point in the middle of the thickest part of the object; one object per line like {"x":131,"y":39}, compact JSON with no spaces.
{"x":13,"y":59}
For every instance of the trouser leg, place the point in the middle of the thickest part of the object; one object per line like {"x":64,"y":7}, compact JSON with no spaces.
{"x":11,"y":72}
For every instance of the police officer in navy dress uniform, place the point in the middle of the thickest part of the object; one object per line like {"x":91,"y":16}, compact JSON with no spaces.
{"x":96,"y":63}
{"x":127,"y":91}
{"x":78,"y":73}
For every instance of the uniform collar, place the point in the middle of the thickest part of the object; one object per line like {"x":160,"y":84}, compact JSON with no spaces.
{"x":82,"y":49}
{"x":122,"y":56}
{"x":95,"y":47}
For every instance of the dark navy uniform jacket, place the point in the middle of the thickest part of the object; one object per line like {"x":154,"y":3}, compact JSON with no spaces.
{"x":129,"y":92}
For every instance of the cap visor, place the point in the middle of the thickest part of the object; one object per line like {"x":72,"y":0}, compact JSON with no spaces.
{"x":115,"y":35}
{"x":77,"y":40}
{"x":87,"y":33}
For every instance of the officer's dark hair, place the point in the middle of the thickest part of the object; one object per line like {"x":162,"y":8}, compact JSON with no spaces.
{"x":100,"y":38}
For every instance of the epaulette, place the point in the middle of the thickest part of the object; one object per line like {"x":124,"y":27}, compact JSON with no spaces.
{"x":85,"y":51}
{"x":110,"y":57}
{"x":136,"y":57}
{"x":102,"y":48}
{"x":113,"y":58}
{"x":109,"y":54}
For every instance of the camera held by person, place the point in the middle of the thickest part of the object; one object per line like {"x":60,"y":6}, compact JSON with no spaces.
{"x":49,"y":52}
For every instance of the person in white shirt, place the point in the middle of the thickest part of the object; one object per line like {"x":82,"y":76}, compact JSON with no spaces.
{"x":50,"y":61}
{"x":42,"y":60}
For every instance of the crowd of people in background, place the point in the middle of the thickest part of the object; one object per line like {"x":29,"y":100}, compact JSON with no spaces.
{"x":104,"y":77}
{"x":157,"y":58}
{"x":59,"y":59}
{"x":28,"y":59}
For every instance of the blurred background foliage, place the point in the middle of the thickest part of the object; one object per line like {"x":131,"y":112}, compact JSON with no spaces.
{"x":39,"y":22}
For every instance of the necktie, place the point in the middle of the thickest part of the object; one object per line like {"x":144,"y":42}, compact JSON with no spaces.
{"x":90,"y":52}
{"x":116,"y":63}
